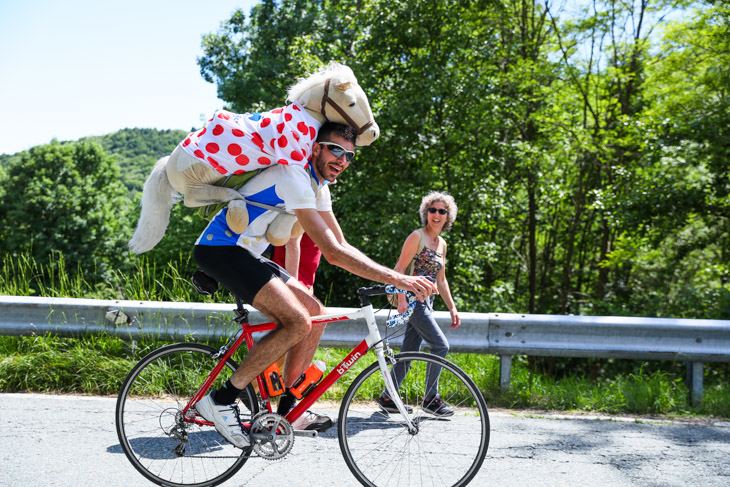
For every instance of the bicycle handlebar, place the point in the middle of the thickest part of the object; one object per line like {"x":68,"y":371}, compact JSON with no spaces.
{"x":398,"y":318}
{"x":401,"y":318}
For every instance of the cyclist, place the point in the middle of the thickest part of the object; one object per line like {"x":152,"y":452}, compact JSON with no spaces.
{"x":235,"y":261}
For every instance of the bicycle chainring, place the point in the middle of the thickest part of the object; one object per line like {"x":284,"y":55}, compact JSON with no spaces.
{"x":272,"y":434}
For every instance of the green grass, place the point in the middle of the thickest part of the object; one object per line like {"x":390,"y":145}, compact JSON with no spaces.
{"x":22,"y":276}
{"x":98,"y":364}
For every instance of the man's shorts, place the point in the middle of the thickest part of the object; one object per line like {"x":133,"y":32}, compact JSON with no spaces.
{"x":237,"y":269}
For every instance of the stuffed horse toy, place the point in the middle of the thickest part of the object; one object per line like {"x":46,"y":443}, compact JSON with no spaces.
{"x":233,"y":143}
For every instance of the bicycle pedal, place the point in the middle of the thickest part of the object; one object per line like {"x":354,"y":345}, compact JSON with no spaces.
{"x":306,"y":433}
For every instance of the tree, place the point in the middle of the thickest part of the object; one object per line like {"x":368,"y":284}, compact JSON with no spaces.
{"x":137,"y":150}
{"x":66,"y":197}
{"x":253,"y":61}
{"x":545,"y":128}
{"x":678,"y":205}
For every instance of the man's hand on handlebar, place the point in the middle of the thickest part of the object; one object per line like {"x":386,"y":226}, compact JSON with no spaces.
{"x":421,"y":286}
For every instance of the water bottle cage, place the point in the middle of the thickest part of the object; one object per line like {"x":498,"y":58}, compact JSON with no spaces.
{"x":299,"y":389}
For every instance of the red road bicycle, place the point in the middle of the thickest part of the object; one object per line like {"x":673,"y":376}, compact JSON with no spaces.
{"x":171,"y":445}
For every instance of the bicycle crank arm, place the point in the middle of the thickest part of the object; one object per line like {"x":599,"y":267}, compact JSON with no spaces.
{"x":306,"y":433}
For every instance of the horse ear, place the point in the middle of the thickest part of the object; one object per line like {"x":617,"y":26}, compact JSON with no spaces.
{"x":343,"y":86}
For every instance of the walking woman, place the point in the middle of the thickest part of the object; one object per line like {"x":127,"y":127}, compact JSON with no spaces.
{"x":424,"y":254}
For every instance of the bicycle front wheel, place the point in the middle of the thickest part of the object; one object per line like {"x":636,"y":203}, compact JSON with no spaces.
{"x":444,"y":451}
{"x":165,"y":447}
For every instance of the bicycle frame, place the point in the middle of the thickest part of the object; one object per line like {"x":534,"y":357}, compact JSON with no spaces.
{"x":372,"y":341}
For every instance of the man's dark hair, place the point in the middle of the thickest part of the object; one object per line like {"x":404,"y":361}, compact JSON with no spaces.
{"x":330,"y":128}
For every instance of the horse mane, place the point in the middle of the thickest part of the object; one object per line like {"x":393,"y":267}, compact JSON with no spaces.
{"x":334,"y":70}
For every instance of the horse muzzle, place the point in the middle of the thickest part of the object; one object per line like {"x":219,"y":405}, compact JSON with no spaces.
{"x":368,"y":136}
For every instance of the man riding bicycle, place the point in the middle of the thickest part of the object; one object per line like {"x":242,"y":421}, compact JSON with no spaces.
{"x":235,"y":261}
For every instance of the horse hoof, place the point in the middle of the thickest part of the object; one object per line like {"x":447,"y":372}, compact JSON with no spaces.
{"x":237,"y":216}
{"x":297,"y":230}
{"x":276,"y":241}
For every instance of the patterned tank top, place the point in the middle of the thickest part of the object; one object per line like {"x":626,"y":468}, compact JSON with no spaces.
{"x":428,"y":263}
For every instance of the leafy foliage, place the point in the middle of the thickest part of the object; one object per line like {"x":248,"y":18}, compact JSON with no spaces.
{"x":587,"y":151}
{"x":65,"y":198}
{"x":564,"y":140}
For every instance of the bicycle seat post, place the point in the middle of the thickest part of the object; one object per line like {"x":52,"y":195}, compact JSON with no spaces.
{"x":241,"y":312}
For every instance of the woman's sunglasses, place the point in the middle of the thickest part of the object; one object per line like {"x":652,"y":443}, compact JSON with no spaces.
{"x":441,"y":211}
{"x":337,"y":151}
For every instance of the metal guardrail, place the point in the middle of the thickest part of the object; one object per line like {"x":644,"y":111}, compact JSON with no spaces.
{"x":692,"y":341}
{"x":132,"y":320}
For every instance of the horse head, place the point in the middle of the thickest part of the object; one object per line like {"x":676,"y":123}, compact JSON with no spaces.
{"x":334,"y":94}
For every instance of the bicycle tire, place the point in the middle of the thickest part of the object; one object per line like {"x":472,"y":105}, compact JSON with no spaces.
{"x":379,"y":450}
{"x":149,"y":408}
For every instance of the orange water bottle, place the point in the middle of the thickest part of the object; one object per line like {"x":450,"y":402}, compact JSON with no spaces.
{"x":273,"y":380}
{"x":309,"y":379}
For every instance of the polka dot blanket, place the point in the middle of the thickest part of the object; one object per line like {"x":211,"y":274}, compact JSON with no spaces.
{"x":234,"y":143}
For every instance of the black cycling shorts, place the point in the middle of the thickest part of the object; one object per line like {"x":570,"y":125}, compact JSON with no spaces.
{"x":237,"y":269}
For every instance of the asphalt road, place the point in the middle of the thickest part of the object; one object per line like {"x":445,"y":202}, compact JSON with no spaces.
{"x":50,"y":440}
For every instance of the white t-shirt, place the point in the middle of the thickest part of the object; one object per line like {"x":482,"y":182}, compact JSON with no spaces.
{"x":287,"y":187}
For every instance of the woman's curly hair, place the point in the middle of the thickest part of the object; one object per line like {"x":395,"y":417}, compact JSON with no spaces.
{"x":444,"y":198}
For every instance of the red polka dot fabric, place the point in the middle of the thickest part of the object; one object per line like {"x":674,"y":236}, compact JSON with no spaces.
{"x":233,"y":143}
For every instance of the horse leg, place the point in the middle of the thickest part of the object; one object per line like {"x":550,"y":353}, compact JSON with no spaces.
{"x":198,"y":194}
{"x":195,"y":180}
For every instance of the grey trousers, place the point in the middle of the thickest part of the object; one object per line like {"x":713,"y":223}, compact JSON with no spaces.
{"x":422,"y":326}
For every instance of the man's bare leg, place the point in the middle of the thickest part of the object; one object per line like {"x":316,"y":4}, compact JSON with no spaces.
{"x":300,"y":355}
{"x":299,"y":358}
{"x":277,"y":301}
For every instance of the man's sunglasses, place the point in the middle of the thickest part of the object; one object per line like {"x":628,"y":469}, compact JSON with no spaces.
{"x":441,"y":211}
{"x":337,"y":151}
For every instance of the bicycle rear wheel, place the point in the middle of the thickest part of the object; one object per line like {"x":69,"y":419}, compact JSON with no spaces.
{"x":445,"y":451}
{"x":160,"y":443}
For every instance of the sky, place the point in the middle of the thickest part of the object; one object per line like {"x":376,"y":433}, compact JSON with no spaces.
{"x":76,"y":68}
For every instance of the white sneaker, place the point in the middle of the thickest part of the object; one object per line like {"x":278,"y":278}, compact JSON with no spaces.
{"x":226,"y":419}
{"x":312,"y":421}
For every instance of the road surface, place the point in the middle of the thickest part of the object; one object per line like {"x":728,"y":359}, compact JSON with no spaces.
{"x":53,"y":440}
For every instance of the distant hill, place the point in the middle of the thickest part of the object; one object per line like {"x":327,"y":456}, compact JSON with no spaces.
{"x":137,"y":150}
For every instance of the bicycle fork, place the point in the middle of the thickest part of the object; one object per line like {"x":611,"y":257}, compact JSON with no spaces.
{"x":380,"y":352}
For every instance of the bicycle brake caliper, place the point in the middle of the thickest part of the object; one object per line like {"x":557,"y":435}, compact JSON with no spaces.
{"x":389,"y":355}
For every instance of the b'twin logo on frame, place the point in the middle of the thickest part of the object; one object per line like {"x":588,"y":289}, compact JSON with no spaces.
{"x":348,"y":363}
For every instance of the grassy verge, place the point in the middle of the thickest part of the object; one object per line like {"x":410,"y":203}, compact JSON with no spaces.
{"x":97,"y":365}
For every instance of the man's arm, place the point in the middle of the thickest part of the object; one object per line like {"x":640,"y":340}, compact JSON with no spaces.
{"x":326,"y":233}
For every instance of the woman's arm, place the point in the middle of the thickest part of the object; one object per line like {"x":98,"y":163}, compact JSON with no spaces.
{"x":407,"y":253}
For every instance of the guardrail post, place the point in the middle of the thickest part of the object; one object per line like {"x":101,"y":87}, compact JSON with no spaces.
{"x":694,"y":382}
{"x":505,"y":371}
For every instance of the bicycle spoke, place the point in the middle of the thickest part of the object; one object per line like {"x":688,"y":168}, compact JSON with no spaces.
{"x":161,"y":445}
{"x":444,"y":451}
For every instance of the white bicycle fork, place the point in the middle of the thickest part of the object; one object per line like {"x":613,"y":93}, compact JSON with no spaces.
{"x":375,"y":341}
